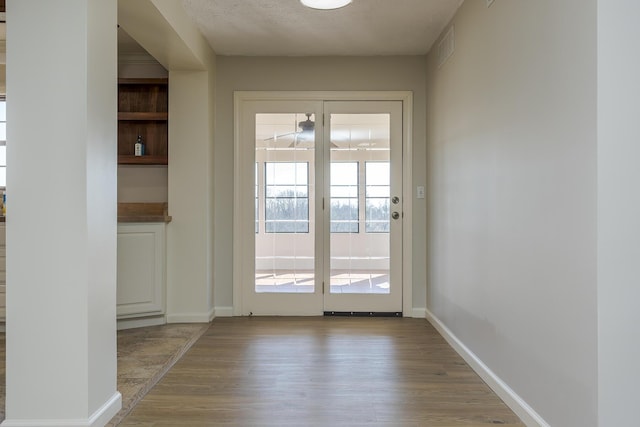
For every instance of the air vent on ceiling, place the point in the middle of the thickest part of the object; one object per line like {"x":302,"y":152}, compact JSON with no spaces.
{"x":446,"y":46}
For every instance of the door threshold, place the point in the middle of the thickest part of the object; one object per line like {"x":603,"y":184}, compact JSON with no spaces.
{"x":364,"y":313}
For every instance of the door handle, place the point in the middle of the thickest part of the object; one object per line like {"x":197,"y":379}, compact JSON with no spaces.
{"x":395,"y":215}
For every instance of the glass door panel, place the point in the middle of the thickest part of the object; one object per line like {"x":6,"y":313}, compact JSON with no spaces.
{"x":285,"y":203}
{"x":359,"y":192}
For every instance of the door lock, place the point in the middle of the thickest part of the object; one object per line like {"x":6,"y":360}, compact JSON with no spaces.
{"x":395,"y":215}
{"x":395,"y":200}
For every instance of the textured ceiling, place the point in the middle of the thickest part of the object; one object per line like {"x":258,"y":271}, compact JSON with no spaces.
{"x":286,"y":28}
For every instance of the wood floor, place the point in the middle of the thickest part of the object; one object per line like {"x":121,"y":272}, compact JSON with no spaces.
{"x":321,"y":372}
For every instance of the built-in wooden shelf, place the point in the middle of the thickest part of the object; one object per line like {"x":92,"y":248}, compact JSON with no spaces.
{"x":142,"y":160}
{"x":143,"y":212}
{"x":142,"y":81}
{"x":143,"y":106}
{"x":142,"y":116}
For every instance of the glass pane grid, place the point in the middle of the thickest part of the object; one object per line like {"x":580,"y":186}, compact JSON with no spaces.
{"x":345,"y":206}
{"x":378,"y":192}
{"x":286,"y":197}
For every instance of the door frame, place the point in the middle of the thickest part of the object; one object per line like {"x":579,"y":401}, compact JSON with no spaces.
{"x":239,"y":238}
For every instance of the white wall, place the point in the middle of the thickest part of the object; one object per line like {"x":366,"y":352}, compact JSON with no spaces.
{"x":618,"y":213}
{"x":307,"y":74}
{"x":512,"y":198}
{"x":61,"y":226}
{"x":189,"y":267}
{"x":142,"y":183}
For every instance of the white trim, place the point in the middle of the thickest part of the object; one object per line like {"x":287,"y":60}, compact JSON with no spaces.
{"x":240,"y":97}
{"x":191,"y":317}
{"x":526,"y":413}
{"x":224,"y":311}
{"x":140,"y":322}
{"x":98,"y":419}
{"x":419,"y":313}
{"x":237,"y":205}
{"x":407,"y":202}
{"x":107,"y":411}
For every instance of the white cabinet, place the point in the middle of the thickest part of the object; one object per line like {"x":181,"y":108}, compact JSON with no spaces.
{"x":141,"y":271}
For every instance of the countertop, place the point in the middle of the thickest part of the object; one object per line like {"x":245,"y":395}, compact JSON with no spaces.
{"x":143,"y":212}
{"x":137,"y":212}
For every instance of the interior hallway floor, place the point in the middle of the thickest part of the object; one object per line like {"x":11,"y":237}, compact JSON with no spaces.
{"x":321,"y":371}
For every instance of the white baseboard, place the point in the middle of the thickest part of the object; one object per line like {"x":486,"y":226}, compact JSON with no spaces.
{"x":419,"y":313}
{"x":526,"y":413}
{"x":224,"y":311}
{"x":141,"y":322}
{"x":191,"y":317}
{"x":99,"y":418}
{"x":107,"y":411}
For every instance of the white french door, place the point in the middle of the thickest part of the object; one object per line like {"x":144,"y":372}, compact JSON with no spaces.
{"x":363,"y":192}
{"x":319,"y":206}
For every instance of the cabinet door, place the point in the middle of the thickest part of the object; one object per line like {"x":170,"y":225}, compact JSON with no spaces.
{"x":141,"y":270}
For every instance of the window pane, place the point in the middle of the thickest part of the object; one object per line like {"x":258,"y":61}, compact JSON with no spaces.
{"x":378,"y":192}
{"x":3,"y":155}
{"x":286,"y":203}
{"x":378,"y":173}
{"x":256,"y":196}
{"x":344,"y":173}
{"x":3,"y":176}
{"x":344,"y":191}
{"x":344,"y":197}
{"x":280,"y":208}
{"x":344,"y":215}
{"x":285,"y":173}
{"x":377,"y":212}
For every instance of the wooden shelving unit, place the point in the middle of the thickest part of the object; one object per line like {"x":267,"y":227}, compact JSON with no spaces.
{"x":143,"y":106}
{"x":130,"y":159}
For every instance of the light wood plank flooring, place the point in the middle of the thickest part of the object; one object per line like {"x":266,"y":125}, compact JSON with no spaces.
{"x":321,"y":372}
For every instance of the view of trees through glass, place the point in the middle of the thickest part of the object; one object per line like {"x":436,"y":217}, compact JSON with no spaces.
{"x":344,"y":197}
{"x":378,"y":188}
{"x":286,"y":197}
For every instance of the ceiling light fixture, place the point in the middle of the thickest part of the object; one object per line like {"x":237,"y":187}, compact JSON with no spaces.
{"x":325,"y":4}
